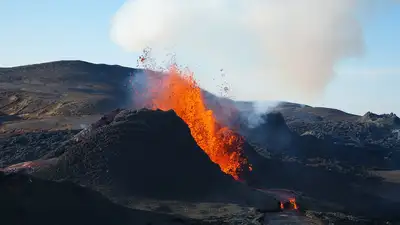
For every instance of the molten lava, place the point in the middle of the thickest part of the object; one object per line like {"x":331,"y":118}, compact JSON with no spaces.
{"x":291,"y":204}
{"x":181,"y":93}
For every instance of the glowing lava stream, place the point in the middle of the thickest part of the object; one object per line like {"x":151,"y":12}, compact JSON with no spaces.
{"x":181,"y":93}
{"x":291,"y":202}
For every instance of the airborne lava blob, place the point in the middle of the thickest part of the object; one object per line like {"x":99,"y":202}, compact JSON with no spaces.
{"x":181,"y":93}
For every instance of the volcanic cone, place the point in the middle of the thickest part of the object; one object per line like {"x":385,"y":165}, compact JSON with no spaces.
{"x":149,"y":153}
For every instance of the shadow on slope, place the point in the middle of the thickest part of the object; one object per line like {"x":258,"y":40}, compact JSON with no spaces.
{"x":28,"y":200}
{"x":5,"y":118}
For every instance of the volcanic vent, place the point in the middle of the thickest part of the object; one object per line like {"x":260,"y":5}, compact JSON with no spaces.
{"x":180,"y":92}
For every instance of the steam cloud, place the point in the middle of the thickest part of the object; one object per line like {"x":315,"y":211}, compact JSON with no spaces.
{"x":269,"y":49}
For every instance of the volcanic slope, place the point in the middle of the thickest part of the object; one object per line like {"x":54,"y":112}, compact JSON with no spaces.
{"x":62,"y":88}
{"x":27,"y":200}
{"x":148,"y":154}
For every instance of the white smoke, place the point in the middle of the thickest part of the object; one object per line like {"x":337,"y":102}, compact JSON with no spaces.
{"x":143,"y":85}
{"x":269,"y":49}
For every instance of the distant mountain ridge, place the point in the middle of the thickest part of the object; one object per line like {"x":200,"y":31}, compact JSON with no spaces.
{"x":69,"y":88}
{"x":62,"y":88}
{"x":73,"y":70}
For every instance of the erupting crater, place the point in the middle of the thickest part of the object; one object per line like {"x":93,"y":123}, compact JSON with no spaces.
{"x":180,"y":92}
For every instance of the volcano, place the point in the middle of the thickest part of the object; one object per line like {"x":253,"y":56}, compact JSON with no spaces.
{"x":324,"y":155}
{"x":146,"y":153}
{"x":177,"y":90}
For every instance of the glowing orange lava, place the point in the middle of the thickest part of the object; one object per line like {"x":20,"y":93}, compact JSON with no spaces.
{"x":181,"y":93}
{"x":289,"y":205}
{"x":293,"y":203}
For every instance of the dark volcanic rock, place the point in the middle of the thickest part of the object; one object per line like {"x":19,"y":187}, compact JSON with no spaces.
{"x":103,"y":121}
{"x":142,"y":151}
{"x":344,"y":129}
{"x":149,"y":154}
{"x":334,"y":174}
{"x":334,"y":189}
{"x":272,"y":132}
{"x":27,"y":146}
{"x":28,"y":200}
{"x":384,"y":119}
{"x":331,"y":137}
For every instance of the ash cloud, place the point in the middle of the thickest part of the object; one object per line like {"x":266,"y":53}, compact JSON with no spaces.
{"x":269,"y":49}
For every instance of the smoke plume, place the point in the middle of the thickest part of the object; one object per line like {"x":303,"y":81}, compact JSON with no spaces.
{"x":269,"y":49}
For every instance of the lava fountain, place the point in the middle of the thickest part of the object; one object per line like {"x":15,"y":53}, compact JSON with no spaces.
{"x":180,"y":92}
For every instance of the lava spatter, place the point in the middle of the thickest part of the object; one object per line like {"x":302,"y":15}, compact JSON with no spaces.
{"x":181,"y":93}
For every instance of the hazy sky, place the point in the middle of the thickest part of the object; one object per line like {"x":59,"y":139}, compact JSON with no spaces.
{"x":44,"y":30}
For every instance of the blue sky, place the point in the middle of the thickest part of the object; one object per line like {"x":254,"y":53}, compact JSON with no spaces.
{"x":48,"y":30}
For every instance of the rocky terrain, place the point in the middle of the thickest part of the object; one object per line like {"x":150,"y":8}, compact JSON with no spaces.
{"x":342,"y":168}
{"x":369,"y":130}
{"x":124,"y":157}
{"x":29,"y":200}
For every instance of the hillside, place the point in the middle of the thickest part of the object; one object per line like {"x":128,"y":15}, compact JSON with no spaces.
{"x":62,"y":88}
{"x":28,"y":200}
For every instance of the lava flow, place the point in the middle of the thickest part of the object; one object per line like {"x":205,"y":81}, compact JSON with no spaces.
{"x":181,"y":93}
{"x":291,"y":204}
